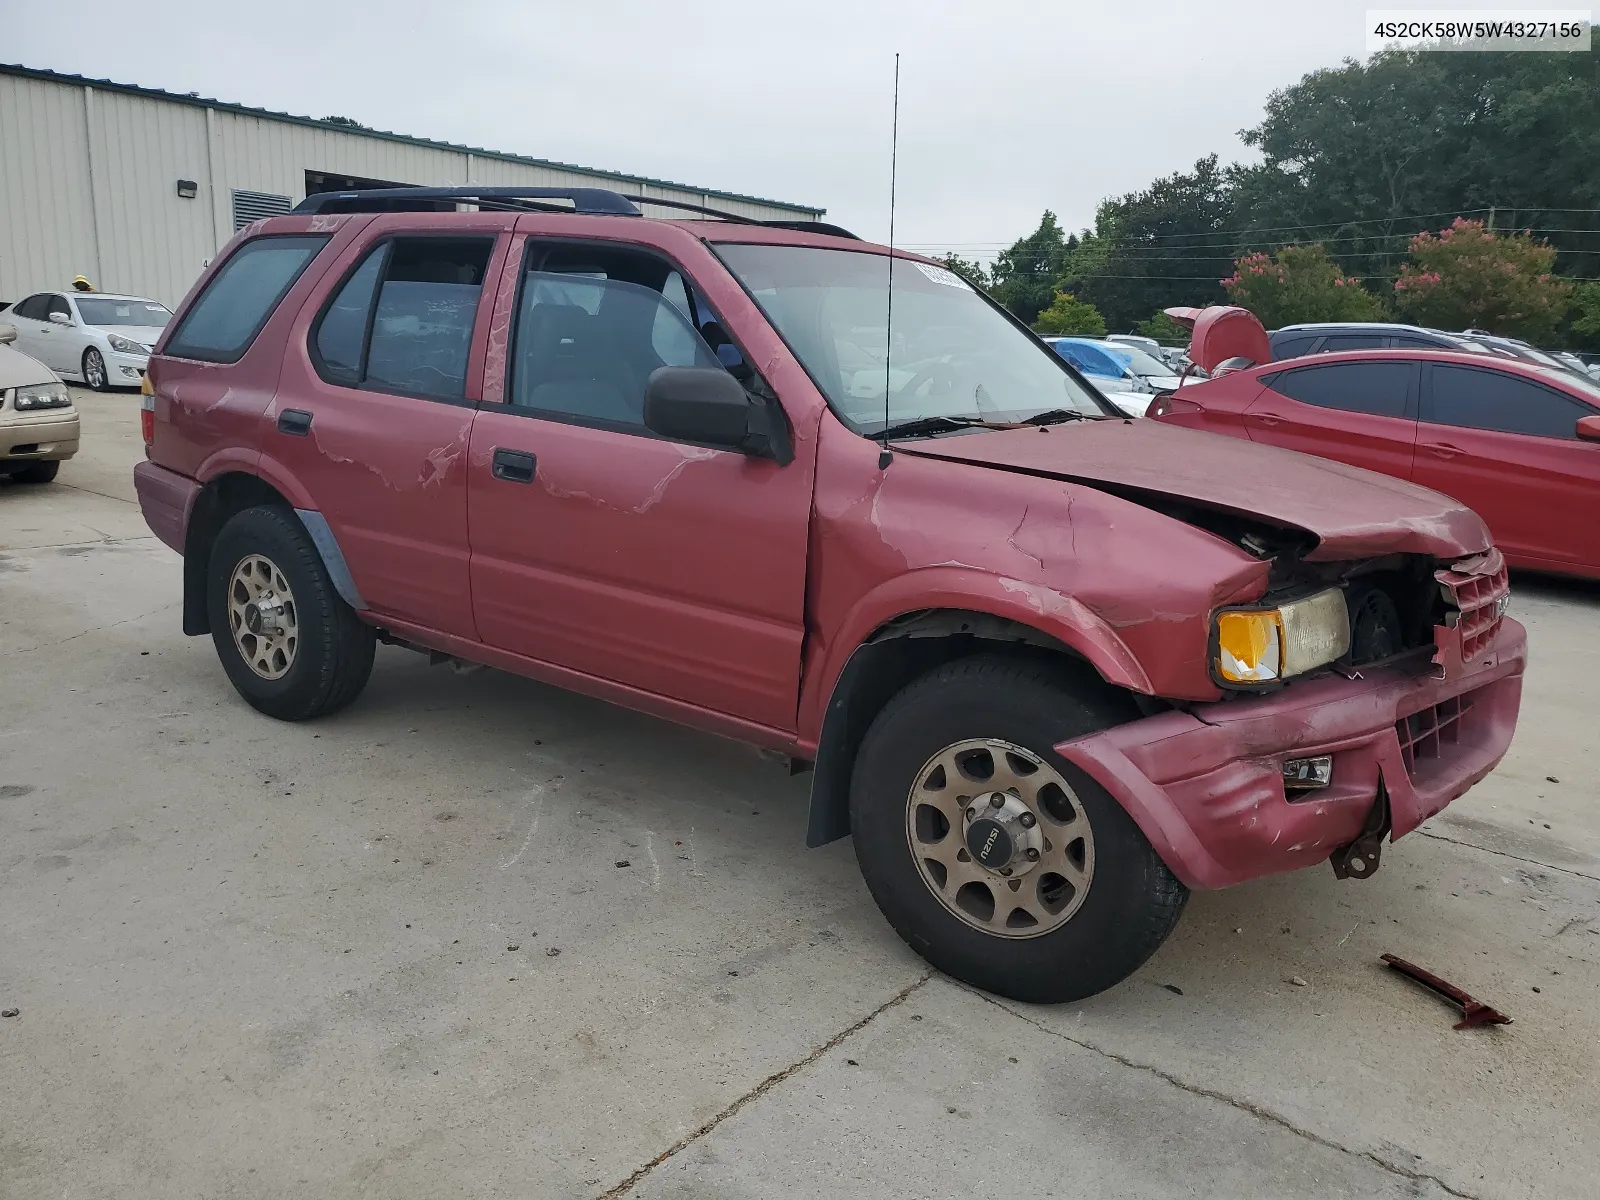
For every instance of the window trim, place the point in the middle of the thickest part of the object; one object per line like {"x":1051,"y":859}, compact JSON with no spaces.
{"x":1427,"y":408}
{"x":385,"y":243}
{"x":1413,"y":386}
{"x":175,"y":348}
{"x":605,"y":424}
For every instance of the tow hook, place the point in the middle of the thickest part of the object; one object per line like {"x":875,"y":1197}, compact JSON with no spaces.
{"x":1360,"y":859}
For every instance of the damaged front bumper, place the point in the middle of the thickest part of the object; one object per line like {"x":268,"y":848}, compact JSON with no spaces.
{"x":1206,"y":785}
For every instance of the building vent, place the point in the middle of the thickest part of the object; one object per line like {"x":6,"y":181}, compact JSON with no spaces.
{"x":253,"y":206}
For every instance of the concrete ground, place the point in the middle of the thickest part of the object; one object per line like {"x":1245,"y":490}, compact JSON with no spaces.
{"x":262,"y":960}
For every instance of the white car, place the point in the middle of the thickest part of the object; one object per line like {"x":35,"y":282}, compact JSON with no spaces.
{"x":38,"y":424}
{"x":99,"y":339}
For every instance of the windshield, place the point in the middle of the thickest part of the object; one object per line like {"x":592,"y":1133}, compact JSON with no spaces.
{"x":103,"y":311}
{"x":953,"y":354}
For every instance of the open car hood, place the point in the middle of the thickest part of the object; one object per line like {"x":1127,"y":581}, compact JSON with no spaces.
{"x":1349,"y":512}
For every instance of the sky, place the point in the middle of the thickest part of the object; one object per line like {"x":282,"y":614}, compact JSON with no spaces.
{"x":1006,"y":107}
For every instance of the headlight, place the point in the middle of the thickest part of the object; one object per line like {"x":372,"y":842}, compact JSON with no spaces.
{"x":1264,"y":645}
{"x":124,"y":345}
{"x":42,"y":395}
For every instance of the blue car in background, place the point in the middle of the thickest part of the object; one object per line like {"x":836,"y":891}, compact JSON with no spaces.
{"x":1129,"y":376}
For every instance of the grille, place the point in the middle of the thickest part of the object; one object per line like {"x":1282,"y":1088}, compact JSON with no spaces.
{"x":1426,"y":735}
{"x":252,"y":206}
{"x":1476,"y":587}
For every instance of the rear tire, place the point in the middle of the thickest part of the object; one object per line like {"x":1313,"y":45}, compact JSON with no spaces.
{"x":94,"y":371}
{"x":290,"y":644}
{"x":39,"y":472}
{"x":1039,"y":937}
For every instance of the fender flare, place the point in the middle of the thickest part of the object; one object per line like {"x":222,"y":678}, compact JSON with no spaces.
{"x":827,"y":719}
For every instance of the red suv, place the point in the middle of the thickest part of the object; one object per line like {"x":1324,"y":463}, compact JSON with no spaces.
{"x":1052,"y":668}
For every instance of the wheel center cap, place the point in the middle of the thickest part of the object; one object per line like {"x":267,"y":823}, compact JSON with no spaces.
{"x":990,"y":843}
{"x":252,"y":619}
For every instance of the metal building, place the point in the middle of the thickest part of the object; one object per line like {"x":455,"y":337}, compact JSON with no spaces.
{"x":136,"y":187}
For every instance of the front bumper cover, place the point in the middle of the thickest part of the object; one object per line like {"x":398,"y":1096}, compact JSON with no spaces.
{"x":1206,"y":785}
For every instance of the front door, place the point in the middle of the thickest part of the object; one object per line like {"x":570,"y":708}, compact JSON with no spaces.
{"x":36,"y":337}
{"x":1361,"y":412}
{"x":374,"y":411}
{"x":602,"y":548}
{"x":1507,"y":447}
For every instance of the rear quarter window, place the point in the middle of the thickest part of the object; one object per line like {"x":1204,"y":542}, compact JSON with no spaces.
{"x":227,"y":316}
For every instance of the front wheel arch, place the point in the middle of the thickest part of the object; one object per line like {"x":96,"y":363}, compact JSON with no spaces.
{"x":898,"y":653}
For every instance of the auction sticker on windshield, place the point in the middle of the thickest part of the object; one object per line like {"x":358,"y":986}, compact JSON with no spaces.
{"x":940,"y":275}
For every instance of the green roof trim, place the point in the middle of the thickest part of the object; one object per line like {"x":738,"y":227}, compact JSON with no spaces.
{"x":197,"y":101}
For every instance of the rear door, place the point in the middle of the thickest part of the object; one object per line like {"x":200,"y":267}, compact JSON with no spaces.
{"x":1506,"y":446}
{"x":373,"y":413}
{"x":597,"y":546}
{"x":1361,"y":412}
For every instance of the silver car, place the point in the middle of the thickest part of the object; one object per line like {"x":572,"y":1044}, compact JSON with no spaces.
{"x":99,"y":339}
{"x":38,"y":423}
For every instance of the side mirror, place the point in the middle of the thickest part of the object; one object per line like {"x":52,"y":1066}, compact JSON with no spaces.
{"x":60,"y":318}
{"x":1589,"y":429}
{"x":709,"y":407}
{"x":8,"y":333}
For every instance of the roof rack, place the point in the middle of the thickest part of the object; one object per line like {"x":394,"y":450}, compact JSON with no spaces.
{"x":411,"y":199}
{"x":527,"y":199}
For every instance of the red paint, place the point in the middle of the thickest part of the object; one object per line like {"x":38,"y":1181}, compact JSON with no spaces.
{"x":1518,"y":483}
{"x":729,"y":592}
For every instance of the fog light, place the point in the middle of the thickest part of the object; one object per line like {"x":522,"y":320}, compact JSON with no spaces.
{"x":1308,"y":772}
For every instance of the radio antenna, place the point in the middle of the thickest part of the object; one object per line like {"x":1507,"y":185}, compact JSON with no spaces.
{"x":884,"y":457}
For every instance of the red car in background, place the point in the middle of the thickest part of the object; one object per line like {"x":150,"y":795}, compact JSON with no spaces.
{"x":1516,"y":442}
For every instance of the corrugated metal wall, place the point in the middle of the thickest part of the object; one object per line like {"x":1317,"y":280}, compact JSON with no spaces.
{"x":88,"y":182}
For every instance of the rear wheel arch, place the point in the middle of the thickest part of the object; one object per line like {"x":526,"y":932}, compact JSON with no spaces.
{"x":219,"y":499}
{"x":896,"y":654}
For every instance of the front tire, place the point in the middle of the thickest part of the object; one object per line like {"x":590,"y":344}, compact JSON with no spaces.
{"x":94,"y":371}
{"x":996,"y":859}
{"x":290,"y":644}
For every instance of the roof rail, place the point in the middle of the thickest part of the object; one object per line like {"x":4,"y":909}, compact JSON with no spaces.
{"x":736,"y":218}
{"x":402,"y":199}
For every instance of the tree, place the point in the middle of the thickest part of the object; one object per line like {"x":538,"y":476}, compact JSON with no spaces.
{"x":1067,"y":315}
{"x":1585,"y":323}
{"x":1299,"y":283}
{"x":1163,"y":328}
{"x":1159,"y":246}
{"x":346,"y":122}
{"x":969,"y":270}
{"x":1465,"y":277}
{"x":1025,"y":273}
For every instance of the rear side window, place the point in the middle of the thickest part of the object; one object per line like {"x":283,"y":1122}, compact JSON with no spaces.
{"x":402,"y":321}
{"x":1292,"y":347}
{"x":1377,"y":388}
{"x":228,"y":315}
{"x":35,"y":308}
{"x":1472,"y":399}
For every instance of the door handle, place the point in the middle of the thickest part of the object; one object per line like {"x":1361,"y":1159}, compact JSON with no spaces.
{"x":1265,"y":418}
{"x":294,"y":421}
{"x":1442,"y":449}
{"x":514,"y":466}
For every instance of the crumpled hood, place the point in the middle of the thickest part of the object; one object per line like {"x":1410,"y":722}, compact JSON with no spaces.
{"x":1353,"y":513}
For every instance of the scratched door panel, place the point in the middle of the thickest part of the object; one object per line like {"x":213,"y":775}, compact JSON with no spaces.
{"x":675,"y":569}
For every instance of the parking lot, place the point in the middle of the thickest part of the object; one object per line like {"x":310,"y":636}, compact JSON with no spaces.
{"x":479,"y":937}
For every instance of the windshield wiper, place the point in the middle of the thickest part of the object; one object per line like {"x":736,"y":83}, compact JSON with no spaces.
{"x":923,"y":426}
{"x":1054,"y":417}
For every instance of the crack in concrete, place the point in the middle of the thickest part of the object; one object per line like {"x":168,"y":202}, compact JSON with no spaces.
{"x":765,"y":1086}
{"x":1256,"y":1110}
{"x":96,"y":629}
{"x":1532,"y":862}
